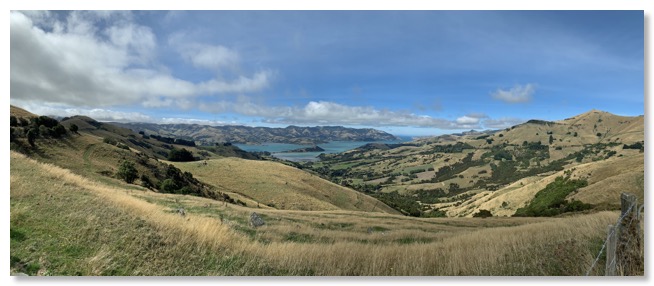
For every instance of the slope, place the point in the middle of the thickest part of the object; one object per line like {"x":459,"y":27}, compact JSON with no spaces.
{"x":456,"y":174}
{"x":19,"y":112}
{"x":89,"y":153}
{"x":607,"y":179}
{"x":280,"y":186}
{"x":77,"y":226}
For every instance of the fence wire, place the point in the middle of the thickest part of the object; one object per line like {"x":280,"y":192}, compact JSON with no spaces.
{"x":607,"y":239}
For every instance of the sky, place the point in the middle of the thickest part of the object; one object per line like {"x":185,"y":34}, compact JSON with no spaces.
{"x":405,"y":72}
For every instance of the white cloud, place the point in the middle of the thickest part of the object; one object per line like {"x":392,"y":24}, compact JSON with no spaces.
{"x":173,"y":120}
{"x":517,"y":94}
{"x":467,"y":120}
{"x":104,"y":59}
{"x":502,"y":123}
{"x":331,"y":113}
{"x":99,"y":114}
{"x":313,"y":113}
{"x":210,"y":57}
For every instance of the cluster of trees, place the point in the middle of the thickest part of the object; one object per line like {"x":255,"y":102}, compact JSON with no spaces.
{"x":405,"y":204}
{"x":450,"y":171}
{"x":456,"y":148}
{"x":637,"y":146}
{"x":180,"y":155}
{"x":551,"y":201}
{"x":172,"y":180}
{"x":170,"y":140}
{"x":35,"y":127}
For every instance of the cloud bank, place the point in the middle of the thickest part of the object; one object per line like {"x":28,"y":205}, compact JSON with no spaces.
{"x":103,"y":59}
{"x":95,"y":62}
{"x":331,"y":113}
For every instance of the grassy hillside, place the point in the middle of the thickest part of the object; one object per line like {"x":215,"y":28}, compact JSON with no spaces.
{"x":19,"y":112}
{"x":247,"y":182}
{"x":280,"y":186}
{"x":77,"y":226}
{"x":501,"y":171}
{"x":71,"y":214}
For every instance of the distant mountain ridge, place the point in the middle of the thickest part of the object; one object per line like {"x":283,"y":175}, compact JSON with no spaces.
{"x":208,"y":135}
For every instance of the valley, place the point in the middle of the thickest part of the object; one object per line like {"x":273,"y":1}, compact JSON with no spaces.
{"x":382,"y":209}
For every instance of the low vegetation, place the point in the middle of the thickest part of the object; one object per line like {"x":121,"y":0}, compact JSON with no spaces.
{"x":552,"y":201}
{"x":96,"y":199}
{"x":136,"y":233}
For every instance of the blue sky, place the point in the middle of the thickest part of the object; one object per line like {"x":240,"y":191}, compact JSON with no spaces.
{"x":405,"y":72}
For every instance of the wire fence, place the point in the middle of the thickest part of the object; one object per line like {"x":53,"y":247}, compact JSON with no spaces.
{"x":623,"y":243}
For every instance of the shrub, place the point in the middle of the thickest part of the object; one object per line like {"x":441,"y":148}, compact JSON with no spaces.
{"x":168,"y":186}
{"x":483,"y":214}
{"x":145,"y":182}
{"x":503,"y":154}
{"x":73,"y":128}
{"x":44,"y":131}
{"x":45,"y":121}
{"x":127,"y":172}
{"x":110,"y":141}
{"x":122,"y":146}
{"x":58,"y":131}
{"x":31,"y":136}
{"x":23,"y":122}
{"x":13,"y":121}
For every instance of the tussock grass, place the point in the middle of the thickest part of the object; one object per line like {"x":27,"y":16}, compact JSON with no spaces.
{"x":65,"y":224}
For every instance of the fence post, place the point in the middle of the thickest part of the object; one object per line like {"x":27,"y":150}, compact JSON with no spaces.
{"x":626,"y":201}
{"x":628,"y":260}
{"x":611,"y":242}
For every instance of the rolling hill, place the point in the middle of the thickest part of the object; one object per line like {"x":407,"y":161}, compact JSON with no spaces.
{"x":209,"y":135}
{"x":500,"y":171}
{"x":71,"y":215}
{"x":280,"y":186}
{"x":97,"y":150}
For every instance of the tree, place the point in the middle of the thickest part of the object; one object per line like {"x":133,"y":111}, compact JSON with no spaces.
{"x":73,"y":128}
{"x":180,"y":155}
{"x":127,"y":172}
{"x":13,"y":121}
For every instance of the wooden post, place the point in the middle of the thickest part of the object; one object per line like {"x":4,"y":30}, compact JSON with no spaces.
{"x":611,"y":242}
{"x":628,"y":237}
{"x":626,"y":201}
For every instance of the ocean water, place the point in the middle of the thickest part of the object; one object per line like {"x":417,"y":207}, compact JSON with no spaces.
{"x":330,"y":147}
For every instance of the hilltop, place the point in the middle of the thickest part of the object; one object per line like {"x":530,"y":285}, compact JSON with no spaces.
{"x":500,"y":171}
{"x":97,"y":150}
{"x":209,"y":135}
{"x":72,"y":214}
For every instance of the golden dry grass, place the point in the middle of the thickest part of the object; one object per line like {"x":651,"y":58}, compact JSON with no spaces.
{"x":19,"y":112}
{"x":280,"y":186}
{"x":499,"y":246}
{"x":607,"y":179}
